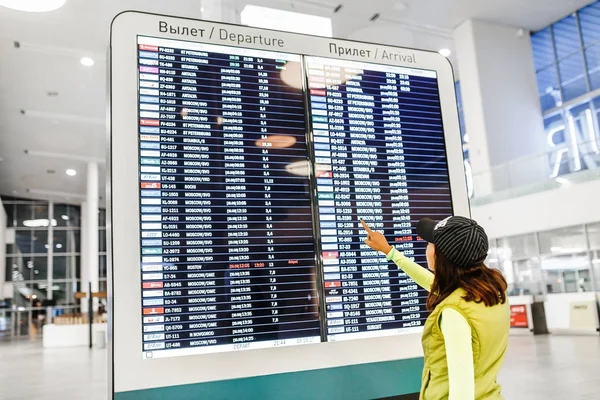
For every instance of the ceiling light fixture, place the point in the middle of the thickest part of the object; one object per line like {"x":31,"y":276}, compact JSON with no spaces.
{"x":445,"y":52}
{"x":39,"y":223}
{"x":33,"y":5}
{"x":289,"y":21}
{"x":86,"y":61}
{"x":71,"y":172}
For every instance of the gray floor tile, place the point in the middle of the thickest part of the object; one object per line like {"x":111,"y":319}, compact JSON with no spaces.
{"x":536,"y":368}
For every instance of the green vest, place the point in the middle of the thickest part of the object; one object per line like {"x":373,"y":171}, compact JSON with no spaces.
{"x":489,"y":330}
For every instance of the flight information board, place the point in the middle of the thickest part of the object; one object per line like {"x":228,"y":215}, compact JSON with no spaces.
{"x":380,"y":154}
{"x":255,"y":168}
{"x":227,"y":245}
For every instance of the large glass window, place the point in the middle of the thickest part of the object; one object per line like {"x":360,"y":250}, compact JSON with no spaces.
{"x":516,"y":247}
{"x":67,"y":241}
{"x":103,"y":265}
{"x":27,"y":258}
{"x":567,"y":63}
{"x":566,"y":37}
{"x":67,"y":216}
{"x":37,"y":247}
{"x":589,"y":20}
{"x":572,"y":76}
{"x":465,"y":139}
{"x":543,"y":49}
{"x":595,"y":257}
{"x":528,"y":278}
{"x":592,"y":55}
{"x":518,"y":258}
{"x":565,"y":260}
{"x":26,"y":267}
{"x":567,"y":273}
{"x":549,"y":88}
{"x":563,"y":241}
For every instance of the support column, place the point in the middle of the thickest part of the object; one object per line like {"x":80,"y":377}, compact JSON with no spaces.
{"x":220,"y":11}
{"x":92,"y":228}
{"x":503,"y":117}
{"x":50,"y":255}
{"x":3,"y":266}
{"x":85,"y":268}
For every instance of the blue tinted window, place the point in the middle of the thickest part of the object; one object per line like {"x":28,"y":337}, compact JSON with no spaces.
{"x":566,"y":37}
{"x":572,"y":76}
{"x":592,"y":55}
{"x":549,"y":88}
{"x":461,"y":115}
{"x":543,"y":53}
{"x":555,"y":129}
{"x":589,"y":19}
{"x":458,"y":95}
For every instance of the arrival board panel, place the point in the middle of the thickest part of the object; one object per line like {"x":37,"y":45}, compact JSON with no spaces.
{"x":228,"y":258}
{"x":380,"y":155}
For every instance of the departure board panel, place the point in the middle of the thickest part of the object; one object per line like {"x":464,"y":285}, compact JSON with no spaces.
{"x":380,"y":155}
{"x":227,"y":245}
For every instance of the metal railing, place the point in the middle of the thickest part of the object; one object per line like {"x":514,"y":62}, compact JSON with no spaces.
{"x":561,"y":166}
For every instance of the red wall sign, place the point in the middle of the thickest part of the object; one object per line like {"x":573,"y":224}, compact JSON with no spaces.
{"x":518,"y":317}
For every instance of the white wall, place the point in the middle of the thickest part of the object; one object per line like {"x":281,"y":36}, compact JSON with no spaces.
{"x":3,"y":221}
{"x":501,"y":105}
{"x":551,"y":209}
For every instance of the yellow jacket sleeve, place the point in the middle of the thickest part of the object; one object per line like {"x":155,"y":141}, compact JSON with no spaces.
{"x":423,"y":277}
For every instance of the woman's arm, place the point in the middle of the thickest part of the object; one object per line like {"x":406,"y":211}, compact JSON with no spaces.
{"x":423,"y":277}
{"x":459,"y":355}
{"x":377,"y":241}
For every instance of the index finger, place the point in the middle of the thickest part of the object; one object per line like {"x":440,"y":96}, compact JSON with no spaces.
{"x":364,"y":224}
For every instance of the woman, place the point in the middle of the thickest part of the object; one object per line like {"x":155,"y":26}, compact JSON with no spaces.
{"x":466,"y":334}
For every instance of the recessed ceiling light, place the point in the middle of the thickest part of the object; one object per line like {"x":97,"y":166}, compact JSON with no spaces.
{"x":445,"y":52}
{"x":33,"y":5}
{"x":71,"y":172}
{"x":86,"y":61}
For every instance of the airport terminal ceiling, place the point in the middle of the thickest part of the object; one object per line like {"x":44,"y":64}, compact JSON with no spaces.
{"x":53,"y":106}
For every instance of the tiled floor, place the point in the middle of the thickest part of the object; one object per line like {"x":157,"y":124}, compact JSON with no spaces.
{"x":541,"y":368}
{"x":552,"y":368}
